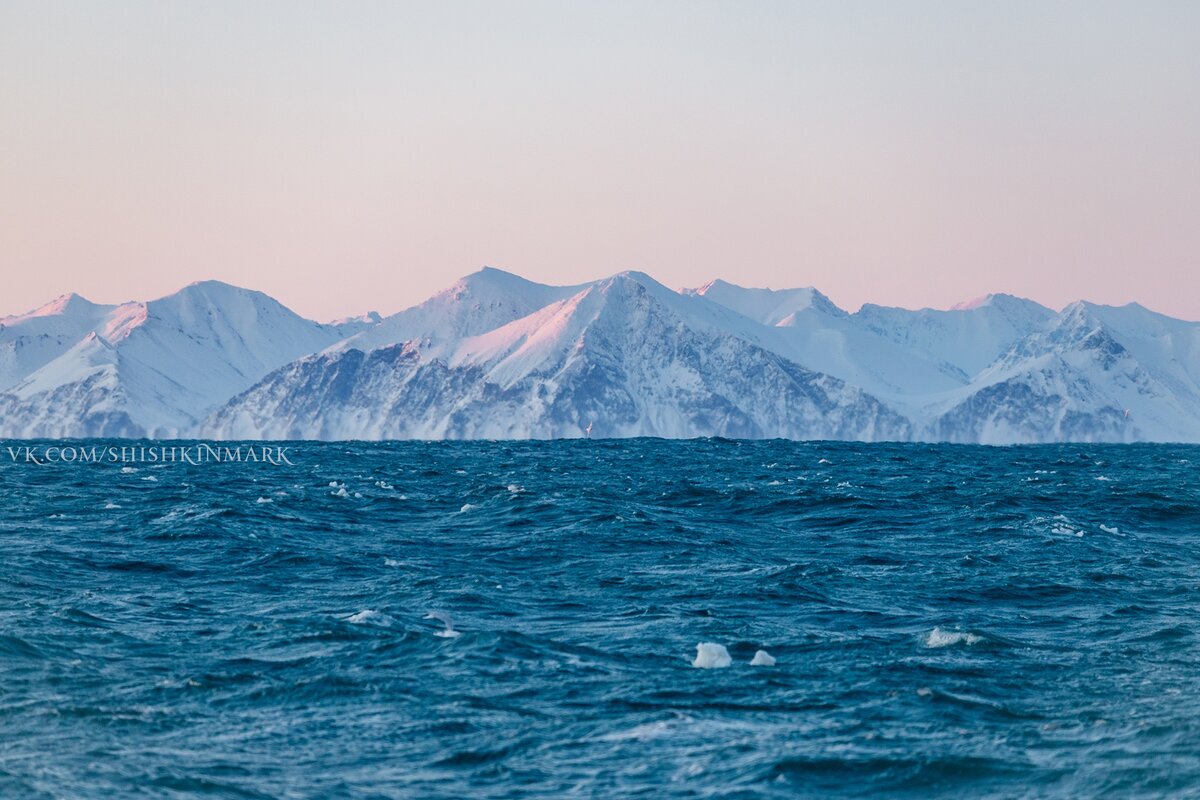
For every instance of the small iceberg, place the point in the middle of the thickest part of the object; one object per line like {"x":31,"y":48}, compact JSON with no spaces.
{"x":762,"y":659}
{"x":448,"y":632}
{"x":710,"y":655}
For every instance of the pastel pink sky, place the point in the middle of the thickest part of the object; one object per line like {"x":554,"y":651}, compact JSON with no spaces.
{"x":352,"y":156}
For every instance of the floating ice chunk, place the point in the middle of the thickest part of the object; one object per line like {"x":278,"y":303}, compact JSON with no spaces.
{"x":110,"y":506}
{"x":335,"y":484}
{"x":824,"y":461}
{"x":466,"y":507}
{"x":762,"y":659}
{"x":341,"y":492}
{"x":358,"y":495}
{"x":515,"y":488}
{"x":391,"y":562}
{"x":710,"y":655}
{"x":383,"y":485}
{"x":262,"y":500}
{"x":940,"y":638}
{"x":448,"y":632}
{"x":1107,"y":529}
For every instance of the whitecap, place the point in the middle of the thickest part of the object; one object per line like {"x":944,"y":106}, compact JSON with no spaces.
{"x":128,"y":470}
{"x":150,"y":478}
{"x":391,"y":562}
{"x":448,"y":632}
{"x":515,"y":489}
{"x":762,"y":659}
{"x":710,"y":655}
{"x":640,"y":733}
{"x":367,"y":615}
{"x":1104,"y":478}
{"x":109,"y":506}
{"x":262,"y":500}
{"x":943,"y":638}
{"x":824,"y":461}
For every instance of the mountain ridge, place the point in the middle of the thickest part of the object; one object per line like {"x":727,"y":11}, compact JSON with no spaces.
{"x":498,"y":356}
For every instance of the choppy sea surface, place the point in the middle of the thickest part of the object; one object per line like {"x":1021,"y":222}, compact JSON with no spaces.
{"x":490,"y":620}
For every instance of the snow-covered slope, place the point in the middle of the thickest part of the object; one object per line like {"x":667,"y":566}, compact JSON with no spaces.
{"x":807,"y":327}
{"x":30,"y":341}
{"x":965,"y":339}
{"x":156,"y":367}
{"x":480,"y":302}
{"x":1076,"y":381}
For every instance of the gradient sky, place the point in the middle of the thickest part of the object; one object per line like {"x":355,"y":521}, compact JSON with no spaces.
{"x":353,"y":156}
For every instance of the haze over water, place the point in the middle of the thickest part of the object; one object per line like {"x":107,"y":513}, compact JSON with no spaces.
{"x":946,"y":621}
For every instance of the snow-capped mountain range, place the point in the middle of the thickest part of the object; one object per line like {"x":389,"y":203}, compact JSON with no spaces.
{"x":497,"y":356}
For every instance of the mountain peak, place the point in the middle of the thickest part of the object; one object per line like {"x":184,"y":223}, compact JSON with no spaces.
{"x":64,"y":304}
{"x":768,"y":306}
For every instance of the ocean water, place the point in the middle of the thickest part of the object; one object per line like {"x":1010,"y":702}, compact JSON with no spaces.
{"x":491,"y":620}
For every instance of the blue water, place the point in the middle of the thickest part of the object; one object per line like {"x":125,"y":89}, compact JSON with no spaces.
{"x":947,"y":622}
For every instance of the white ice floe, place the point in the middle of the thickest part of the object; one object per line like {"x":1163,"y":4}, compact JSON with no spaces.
{"x":943,"y":638}
{"x":762,"y":659}
{"x":262,"y":500}
{"x":710,"y":655}
{"x":466,"y":507}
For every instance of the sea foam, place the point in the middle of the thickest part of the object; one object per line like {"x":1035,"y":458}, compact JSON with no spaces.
{"x":943,"y":638}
